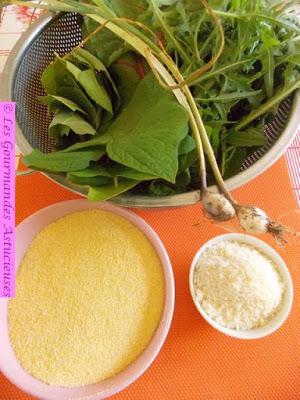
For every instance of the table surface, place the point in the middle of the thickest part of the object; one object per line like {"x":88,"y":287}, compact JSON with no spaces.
{"x":196,"y":361}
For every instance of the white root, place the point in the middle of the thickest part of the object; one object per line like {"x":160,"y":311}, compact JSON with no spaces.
{"x":252,"y":219}
{"x":256,"y":222}
{"x":217,"y":206}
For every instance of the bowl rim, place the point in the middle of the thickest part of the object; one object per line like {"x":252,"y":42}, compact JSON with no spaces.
{"x":137,"y":201}
{"x":279,"y":318}
{"x":9,"y":364}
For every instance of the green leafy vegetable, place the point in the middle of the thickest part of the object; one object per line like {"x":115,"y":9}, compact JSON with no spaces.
{"x":58,"y":81}
{"x":186,"y":160}
{"x":102,"y":193}
{"x":147,"y":133}
{"x":55,"y":102}
{"x":91,"y":85}
{"x":62,"y":162}
{"x":89,"y":180}
{"x":125,"y":172}
{"x":187,"y":145}
{"x":112,"y":171}
{"x":94,"y":62}
{"x":250,"y":137}
{"x":126,"y":75}
{"x":73,"y":121}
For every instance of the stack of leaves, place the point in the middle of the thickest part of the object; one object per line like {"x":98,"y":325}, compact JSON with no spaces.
{"x":111,"y":154}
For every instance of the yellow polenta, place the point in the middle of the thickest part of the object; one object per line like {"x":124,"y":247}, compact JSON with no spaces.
{"x":90,"y":294}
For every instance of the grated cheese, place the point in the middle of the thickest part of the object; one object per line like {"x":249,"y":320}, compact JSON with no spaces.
{"x":237,"y":285}
{"x":90,"y":294}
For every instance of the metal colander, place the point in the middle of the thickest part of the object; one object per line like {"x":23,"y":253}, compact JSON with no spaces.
{"x":60,"y":33}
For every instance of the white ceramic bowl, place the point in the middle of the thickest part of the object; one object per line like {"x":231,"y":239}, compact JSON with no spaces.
{"x":10,"y":366}
{"x":287,"y":301}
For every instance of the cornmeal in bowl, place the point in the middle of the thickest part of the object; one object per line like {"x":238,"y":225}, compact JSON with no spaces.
{"x":90,"y":295}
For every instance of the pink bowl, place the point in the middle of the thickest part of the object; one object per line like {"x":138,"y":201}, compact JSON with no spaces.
{"x":9,"y":364}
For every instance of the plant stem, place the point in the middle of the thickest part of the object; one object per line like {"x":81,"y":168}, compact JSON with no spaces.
{"x":207,"y":41}
{"x":281,"y":95}
{"x":203,"y":140}
{"x":221,"y":70}
{"x":195,"y":38}
{"x":177,"y":45}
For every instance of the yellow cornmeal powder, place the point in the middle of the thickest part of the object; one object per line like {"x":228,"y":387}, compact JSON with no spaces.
{"x":90,"y":294}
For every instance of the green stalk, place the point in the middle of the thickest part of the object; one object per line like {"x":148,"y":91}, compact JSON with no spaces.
{"x":281,"y":95}
{"x":221,"y":70}
{"x":207,"y":41}
{"x":204,"y":139}
{"x":177,"y":45}
{"x":195,"y":37}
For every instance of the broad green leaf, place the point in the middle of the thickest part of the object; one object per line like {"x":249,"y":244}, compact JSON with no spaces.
{"x":106,"y":192}
{"x":54,"y":103}
{"x":58,"y":81}
{"x":126,"y":172}
{"x":126,"y":77}
{"x":91,"y":85}
{"x":94,"y":62}
{"x":55,"y":76}
{"x":113,"y":171}
{"x":94,"y":142}
{"x":94,"y":89}
{"x":90,"y":59}
{"x":92,"y":171}
{"x":186,"y":160}
{"x":73,"y":69}
{"x":188,"y":144}
{"x":62,"y":162}
{"x":89,"y":181}
{"x":248,"y":138}
{"x":72,"y":120}
{"x":134,"y":140}
{"x":147,"y":133}
{"x":77,"y":96}
{"x":58,"y":131}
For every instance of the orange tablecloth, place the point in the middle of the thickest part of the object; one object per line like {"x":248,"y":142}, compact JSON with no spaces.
{"x":196,"y":361}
